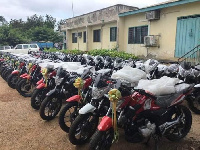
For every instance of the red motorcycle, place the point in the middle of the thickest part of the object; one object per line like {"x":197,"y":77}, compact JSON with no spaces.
{"x":26,"y":85}
{"x":44,"y":85}
{"x":143,"y":116}
{"x":15,"y":75}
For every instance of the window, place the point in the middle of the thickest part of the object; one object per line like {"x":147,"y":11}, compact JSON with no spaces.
{"x":74,"y":38}
{"x":136,"y":34}
{"x":7,"y":47}
{"x":84,"y":37}
{"x":33,"y":46}
{"x":113,"y":33}
{"x":25,"y":46}
{"x":19,"y":47}
{"x":97,"y":35}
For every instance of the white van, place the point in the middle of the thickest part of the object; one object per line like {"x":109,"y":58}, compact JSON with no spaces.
{"x":23,"y":48}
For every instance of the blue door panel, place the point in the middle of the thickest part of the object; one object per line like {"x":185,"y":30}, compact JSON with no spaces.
{"x":187,"y":34}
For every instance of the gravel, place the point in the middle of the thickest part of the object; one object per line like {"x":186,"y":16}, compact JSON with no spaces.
{"x":21,"y":128}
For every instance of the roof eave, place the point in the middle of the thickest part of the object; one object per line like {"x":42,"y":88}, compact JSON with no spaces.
{"x":157,"y":7}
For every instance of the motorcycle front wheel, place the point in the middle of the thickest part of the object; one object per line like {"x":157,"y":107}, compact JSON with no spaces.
{"x":67,"y":115}
{"x":25,"y":88}
{"x":83,"y":128}
{"x":180,"y":130}
{"x":50,"y":107}
{"x":37,"y":97}
{"x":102,"y":140}
{"x":12,"y":80}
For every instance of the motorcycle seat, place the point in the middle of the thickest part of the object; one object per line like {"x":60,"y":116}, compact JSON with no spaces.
{"x":166,"y":100}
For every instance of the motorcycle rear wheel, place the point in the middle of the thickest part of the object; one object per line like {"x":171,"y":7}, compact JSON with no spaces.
{"x":180,"y":130}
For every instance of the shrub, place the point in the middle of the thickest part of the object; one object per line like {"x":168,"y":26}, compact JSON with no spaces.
{"x":95,"y":52}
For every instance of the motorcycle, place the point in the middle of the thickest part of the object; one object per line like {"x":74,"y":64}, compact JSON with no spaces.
{"x":74,"y":103}
{"x":191,"y":74}
{"x":64,"y":88}
{"x":27,"y":82}
{"x":14,"y":76}
{"x":86,"y":122}
{"x":142,"y":116}
{"x":44,"y":85}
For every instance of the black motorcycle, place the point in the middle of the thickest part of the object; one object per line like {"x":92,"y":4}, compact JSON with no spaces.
{"x":64,"y":88}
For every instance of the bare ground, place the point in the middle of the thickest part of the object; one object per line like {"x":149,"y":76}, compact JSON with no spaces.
{"x":21,"y":128}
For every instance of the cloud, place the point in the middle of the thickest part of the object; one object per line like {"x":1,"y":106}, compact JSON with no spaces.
{"x":61,"y":9}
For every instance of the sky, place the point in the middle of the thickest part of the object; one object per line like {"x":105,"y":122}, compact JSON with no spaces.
{"x":61,"y":9}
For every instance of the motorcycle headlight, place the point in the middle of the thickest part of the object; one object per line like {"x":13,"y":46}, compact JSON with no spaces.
{"x":58,"y":80}
{"x":119,"y":103}
{"x":99,"y":92}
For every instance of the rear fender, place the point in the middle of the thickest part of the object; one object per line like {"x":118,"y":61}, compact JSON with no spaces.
{"x":41,"y":86}
{"x":105,"y":124}
{"x":15,"y":72}
{"x":75,"y":98}
{"x":88,"y":108}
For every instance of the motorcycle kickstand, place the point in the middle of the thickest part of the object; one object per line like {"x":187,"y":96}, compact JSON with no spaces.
{"x":156,"y":138}
{"x":147,"y":142}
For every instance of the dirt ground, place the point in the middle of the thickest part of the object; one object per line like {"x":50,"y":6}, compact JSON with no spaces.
{"x":21,"y":128}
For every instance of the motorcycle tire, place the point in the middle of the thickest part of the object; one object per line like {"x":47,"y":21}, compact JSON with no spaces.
{"x":86,"y":125}
{"x":7,"y":73}
{"x":18,"y":81}
{"x":62,"y":116}
{"x":49,"y":103}
{"x":102,"y":140}
{"x":37,"y":97}
{"x":12,"y":80}
{"x":193,"y":107}
{"x":173,"y":136}
{"x":21,"y":88}
{"x":3,"y":73}
{"x":2,"y":70}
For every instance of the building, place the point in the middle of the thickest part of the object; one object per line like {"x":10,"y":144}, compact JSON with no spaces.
{"x":92,"y":30}
{"x":174,"y":24}
{"x":164,"y":31}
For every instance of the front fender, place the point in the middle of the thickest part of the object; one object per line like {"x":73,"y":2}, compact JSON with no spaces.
{"x":75,"y":98}
{"x":88,"y":108}
{"x":40,"y":81}
{"x":41,"y":86}
{"x":23,"y":75}
{"x":26,"y":77}
{"x":15,"y":72}
{"x":105,"y":124}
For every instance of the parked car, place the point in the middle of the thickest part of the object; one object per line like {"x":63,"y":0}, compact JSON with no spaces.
{"x":5,"y":47}
{"x":23,"y":48}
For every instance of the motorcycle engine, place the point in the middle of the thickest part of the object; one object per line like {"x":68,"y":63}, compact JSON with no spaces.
{"x":148,"y":129}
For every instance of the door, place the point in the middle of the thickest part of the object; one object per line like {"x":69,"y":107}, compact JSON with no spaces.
{"x":187,"y":34}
